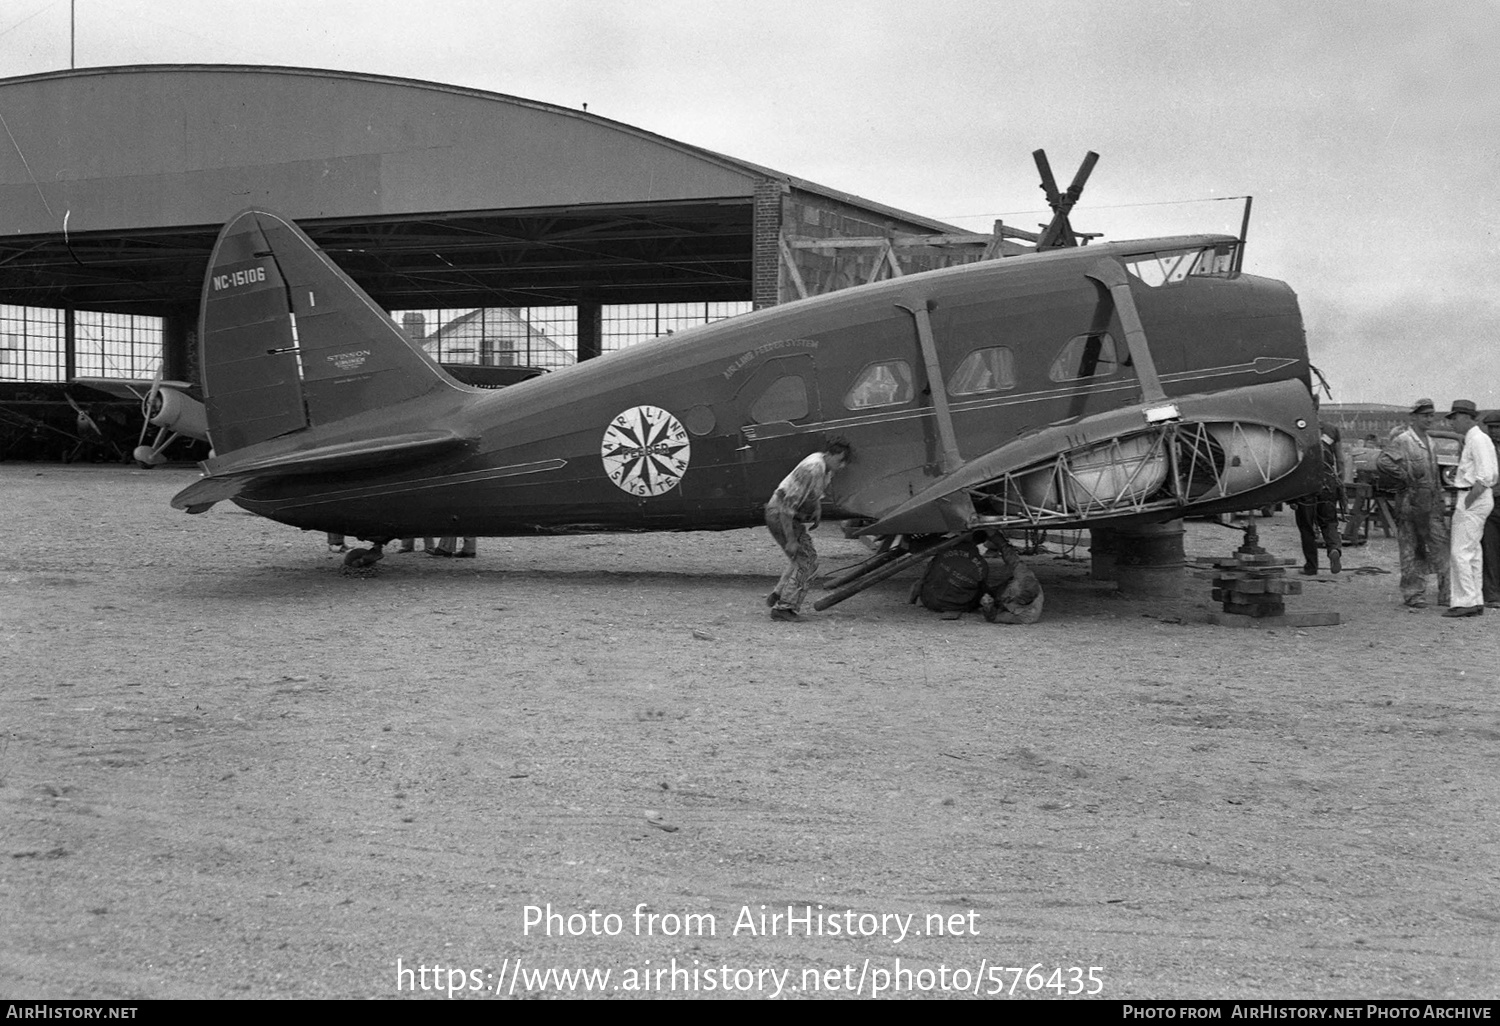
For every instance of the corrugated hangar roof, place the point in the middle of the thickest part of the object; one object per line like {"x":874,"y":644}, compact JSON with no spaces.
{"x":114,"y":182}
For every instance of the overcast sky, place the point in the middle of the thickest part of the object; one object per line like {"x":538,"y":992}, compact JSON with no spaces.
{"x":1367,"y":131}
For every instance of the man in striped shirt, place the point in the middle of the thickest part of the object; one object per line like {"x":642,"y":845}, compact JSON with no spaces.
{"x":795,"y":508}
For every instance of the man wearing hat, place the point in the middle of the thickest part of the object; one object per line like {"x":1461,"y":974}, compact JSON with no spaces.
{"x":1476,"y":475}
{"x":1421,"y":520}
{"x":1491,"y":422}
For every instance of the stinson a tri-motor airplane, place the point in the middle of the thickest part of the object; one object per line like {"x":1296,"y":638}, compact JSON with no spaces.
{"x":1103,"y":385}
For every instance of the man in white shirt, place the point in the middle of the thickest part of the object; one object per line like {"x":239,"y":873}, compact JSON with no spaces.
{"x":1491,"y":423}
{"x":1476,"y":475}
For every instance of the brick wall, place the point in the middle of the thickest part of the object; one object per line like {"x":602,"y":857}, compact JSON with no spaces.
{"x":766,"y":284}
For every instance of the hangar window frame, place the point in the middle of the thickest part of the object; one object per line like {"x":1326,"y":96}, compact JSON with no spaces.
{"x":629,"y":324}
{"x":33,"y":344}
{"x":548,"y":336}
{"x":117,"y":345}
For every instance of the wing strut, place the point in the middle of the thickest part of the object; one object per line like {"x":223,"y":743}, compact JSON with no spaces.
{"x":957,"y":510}
{"x":1112,"y":276}
{"x":948,"y":458}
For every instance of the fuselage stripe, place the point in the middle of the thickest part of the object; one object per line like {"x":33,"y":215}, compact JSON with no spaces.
{"x":755,"y":432}
{"x":427,"y":483}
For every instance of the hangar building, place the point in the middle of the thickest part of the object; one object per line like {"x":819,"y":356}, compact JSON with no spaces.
{"x":574,"y":234}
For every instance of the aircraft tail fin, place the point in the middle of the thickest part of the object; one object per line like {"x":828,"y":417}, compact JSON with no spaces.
{"x":288,"y":342}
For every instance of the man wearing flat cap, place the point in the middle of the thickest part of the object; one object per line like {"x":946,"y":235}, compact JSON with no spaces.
{"x":1491,"y":423}
{"x":1476,"y":475}
{"x":1421,"y":521}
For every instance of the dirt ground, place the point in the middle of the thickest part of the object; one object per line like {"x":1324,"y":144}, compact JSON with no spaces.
{"x":230,"y":769}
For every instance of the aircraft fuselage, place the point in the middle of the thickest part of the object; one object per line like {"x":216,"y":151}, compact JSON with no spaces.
{"x":694,"y":431}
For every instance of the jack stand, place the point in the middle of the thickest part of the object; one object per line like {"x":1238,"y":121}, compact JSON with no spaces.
{"x":1252,"y":586}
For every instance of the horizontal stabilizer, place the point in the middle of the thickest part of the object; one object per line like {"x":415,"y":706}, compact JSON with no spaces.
{"x":227,"y":477}
{"x":200,"y":495}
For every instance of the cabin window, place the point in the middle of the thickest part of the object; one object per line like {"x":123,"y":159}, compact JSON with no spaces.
{"x":785,"y":399}
{"x":880,"y":384}
{"x":1086,"y":356}
{"x":1170,"y":266}
{"x":984,"y":370}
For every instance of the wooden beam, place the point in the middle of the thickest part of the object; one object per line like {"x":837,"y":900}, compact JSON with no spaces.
{"x":965,"y":239}
{"x":890,"y":258}
{"x":909,"y":241}
{"x":1017,"y":233}
{"x":874,"y":274}
{"x":900,"y":241}
{"x":992,"y":248}
{"x":791,"y":266}
{"x":867,"y":242}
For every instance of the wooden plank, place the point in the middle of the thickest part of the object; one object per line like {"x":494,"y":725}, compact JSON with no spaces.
{"x":860,"y":243}
{"x":890,"y":257}
{"x":1387,"y":521}
{"x":1017,"y":233}
{"x":791,"y":266}
{"x":1259,"y":585}
{"x":966,"y":239}
{"x":992,"y":249}
{"x":1258,"y":609}
{"x":910,"y":241}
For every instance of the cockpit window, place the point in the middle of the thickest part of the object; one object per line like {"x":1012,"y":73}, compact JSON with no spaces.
{"x":984,"y":370}
{"x":1173,"y":265}
{"x":880,"y":384}
{"x":1086,"y":356}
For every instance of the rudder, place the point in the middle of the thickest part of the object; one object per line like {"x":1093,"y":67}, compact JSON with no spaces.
{"x":287,"y":341}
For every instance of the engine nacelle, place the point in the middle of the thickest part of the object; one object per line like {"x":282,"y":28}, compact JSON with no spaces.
{"x":174,"y":414}
{"x":178,"y":412}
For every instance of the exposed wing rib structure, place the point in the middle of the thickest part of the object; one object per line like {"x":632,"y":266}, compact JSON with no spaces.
{"x":1122,"y":464}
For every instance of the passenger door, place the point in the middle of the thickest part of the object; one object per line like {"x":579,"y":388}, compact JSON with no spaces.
{"x":771,"y":407}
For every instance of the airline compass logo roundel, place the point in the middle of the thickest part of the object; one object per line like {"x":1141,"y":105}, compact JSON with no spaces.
{"x":646,"y":451}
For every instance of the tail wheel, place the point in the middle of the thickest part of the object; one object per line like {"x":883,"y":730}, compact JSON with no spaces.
{"x":362,"y":557}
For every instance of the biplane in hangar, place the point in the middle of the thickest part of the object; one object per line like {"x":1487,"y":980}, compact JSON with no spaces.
{"x":1101,"y":385}
{"x":169,"y":411}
